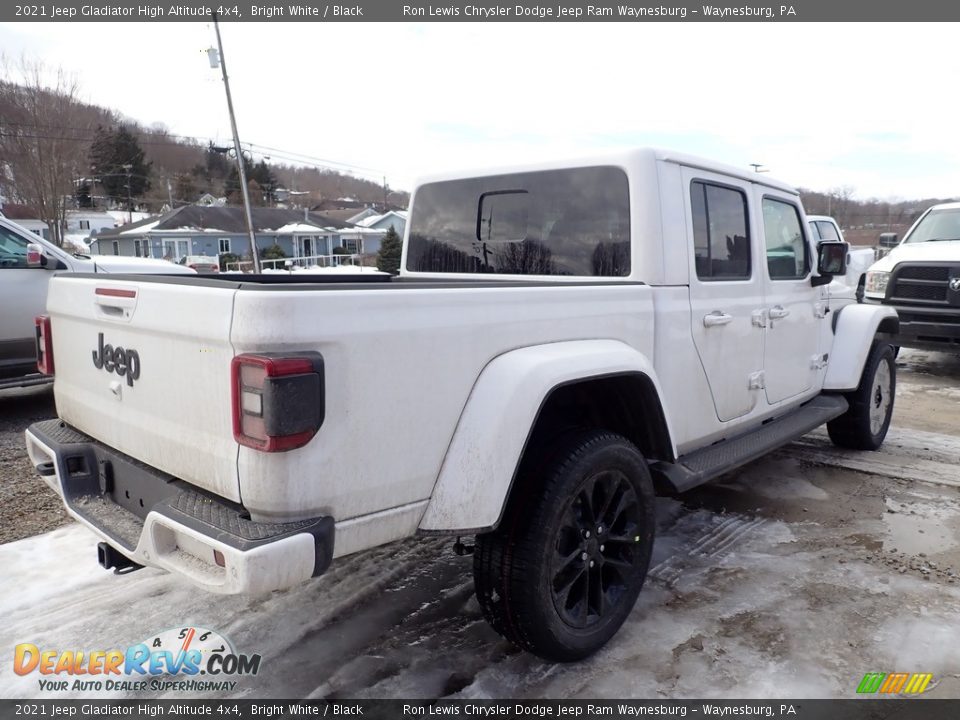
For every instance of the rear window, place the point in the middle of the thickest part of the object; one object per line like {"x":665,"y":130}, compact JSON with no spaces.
{"x":555,"y":222}
{"x":826,"y":231}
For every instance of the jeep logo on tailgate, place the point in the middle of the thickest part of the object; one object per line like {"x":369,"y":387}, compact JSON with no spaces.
{"x":122,"y":362}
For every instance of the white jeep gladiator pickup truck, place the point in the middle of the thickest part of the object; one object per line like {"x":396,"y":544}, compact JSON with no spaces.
{"x":564,"y":340}
{"x":920,"y":277}
{"x":27,"y":263}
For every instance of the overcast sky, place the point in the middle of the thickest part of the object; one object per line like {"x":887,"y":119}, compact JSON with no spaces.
{"x":874,"y":107}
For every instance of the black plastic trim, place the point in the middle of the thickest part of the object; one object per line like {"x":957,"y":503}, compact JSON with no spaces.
{"x":706,"y":463}
{"x":92,"y":473}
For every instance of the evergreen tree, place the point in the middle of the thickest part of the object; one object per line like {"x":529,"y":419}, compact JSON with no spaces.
{"x":261,"y":184}
{"x":265,"y":179}
{"x":388,"y":258}
{"x":83,"y":198}
{"x":216,"y":162}
{"x":119,"y":163}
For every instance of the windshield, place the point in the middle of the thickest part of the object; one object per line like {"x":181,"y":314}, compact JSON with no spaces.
{"x":936,"y":225}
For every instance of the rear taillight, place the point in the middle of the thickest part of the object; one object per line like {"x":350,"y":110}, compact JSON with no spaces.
{"x":192,"y":267}
{"x":44,"y":345}
{"x":278,"y":399}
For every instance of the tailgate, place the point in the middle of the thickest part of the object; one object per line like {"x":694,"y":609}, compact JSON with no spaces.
{"x":144,"y":367}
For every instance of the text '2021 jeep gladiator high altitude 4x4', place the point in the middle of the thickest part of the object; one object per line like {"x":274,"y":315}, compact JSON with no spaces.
{"x":563,"y":340}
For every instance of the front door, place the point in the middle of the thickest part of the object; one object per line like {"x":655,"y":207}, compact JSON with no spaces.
{"x":793,"y":310}
{"x":726,"y":290}
{"x":303,"y":246}
{"x":174,"y":249}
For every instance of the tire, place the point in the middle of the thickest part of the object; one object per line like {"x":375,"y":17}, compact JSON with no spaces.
{"x":563,"y":570}
{"x":864,"y":426}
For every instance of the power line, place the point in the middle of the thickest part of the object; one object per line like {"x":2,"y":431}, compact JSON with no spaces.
{"x":176,"y":139}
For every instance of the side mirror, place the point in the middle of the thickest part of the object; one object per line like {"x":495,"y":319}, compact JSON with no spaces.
{"x":888,"y":240}
{"x":831,"y":260}
{"x":35,"y":256}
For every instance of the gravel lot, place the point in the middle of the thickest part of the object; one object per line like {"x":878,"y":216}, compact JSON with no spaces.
{"x":27,"y":506}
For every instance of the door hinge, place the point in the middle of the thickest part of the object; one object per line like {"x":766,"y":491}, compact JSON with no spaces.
{"x":818,"y":362}
{"x":821,"y":309}
{"x":758,"y":380}
{"x":759,"y":318}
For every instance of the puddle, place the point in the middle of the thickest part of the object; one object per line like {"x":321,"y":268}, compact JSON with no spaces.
{"x":915,"y":528}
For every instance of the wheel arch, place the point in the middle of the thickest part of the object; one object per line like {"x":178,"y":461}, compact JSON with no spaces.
{"x":524,"y":398}
{"x":854,"y":329}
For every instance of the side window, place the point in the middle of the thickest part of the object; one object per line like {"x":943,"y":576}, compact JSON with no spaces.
{"x":13,"y":250}
{"x":787,"y":254}
{"x":720,"y":236}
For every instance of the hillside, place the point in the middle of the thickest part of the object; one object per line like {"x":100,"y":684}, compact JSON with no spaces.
{"x":47,"y":142}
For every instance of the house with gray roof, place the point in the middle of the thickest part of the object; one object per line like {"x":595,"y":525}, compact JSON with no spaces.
{"x":213,"y":231}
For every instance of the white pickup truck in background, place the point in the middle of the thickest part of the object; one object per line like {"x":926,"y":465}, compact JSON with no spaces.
{"x":563,"y":340}
{"x":859,"y":260}
{"x":920,"y":277}
{"x":27,"y":263}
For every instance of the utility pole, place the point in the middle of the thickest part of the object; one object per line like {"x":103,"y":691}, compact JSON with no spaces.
{"x":222,"y":61}
{"x":128,"y":168}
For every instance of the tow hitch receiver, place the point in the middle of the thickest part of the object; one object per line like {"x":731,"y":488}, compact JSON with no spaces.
{"x":110,"y":558}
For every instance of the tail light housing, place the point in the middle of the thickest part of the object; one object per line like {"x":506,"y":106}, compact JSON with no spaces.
{"x":44,"y":344}
{"x":278,"y":399}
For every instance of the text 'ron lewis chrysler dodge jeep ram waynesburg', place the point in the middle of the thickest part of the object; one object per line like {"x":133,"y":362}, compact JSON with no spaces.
{"x":563,"y":340}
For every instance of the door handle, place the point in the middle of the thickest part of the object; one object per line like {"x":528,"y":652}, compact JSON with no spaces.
{"x":716,"y":318}
{"x":778,"y":312}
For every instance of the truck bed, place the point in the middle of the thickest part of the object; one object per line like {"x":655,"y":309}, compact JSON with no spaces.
{"x":401,"y":357}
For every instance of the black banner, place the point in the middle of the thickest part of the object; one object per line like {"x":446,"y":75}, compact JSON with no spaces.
{"x":483,"y":11}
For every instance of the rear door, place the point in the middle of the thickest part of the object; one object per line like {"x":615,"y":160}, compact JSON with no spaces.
{"x":726,"y":291}
{"x":144,"y":367}
{"x":793,"y":313}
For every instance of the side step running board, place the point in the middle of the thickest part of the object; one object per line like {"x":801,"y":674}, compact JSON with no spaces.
{"x":707,"y":463}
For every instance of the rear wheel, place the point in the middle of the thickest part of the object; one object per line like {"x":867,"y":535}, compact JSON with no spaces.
{"x":562,"y":572}
{"x":864,"y":426}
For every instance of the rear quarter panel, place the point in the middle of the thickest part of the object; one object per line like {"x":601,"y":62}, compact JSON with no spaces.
{"x":400,"y":365}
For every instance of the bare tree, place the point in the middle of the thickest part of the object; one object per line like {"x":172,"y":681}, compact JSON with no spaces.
{"x":839,"y":200}
{"x":44,"y":136}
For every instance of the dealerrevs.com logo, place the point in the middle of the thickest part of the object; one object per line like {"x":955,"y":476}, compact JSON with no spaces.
{"x":189,"y":659}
